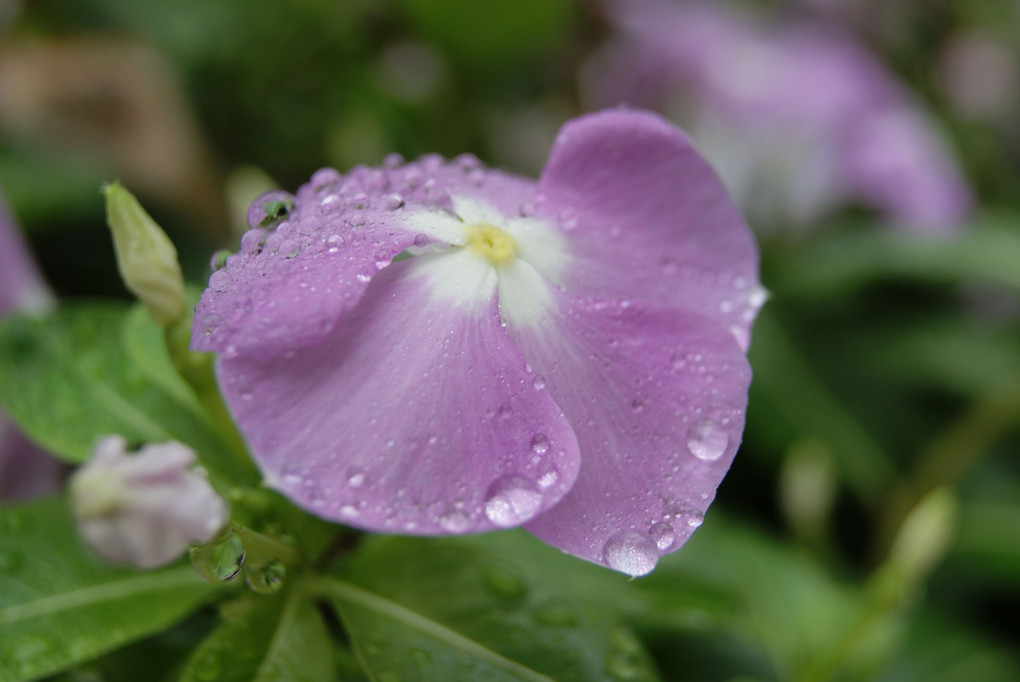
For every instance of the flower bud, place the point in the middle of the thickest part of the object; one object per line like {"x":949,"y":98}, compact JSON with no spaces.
{"x":146,"y":257}
{"x":144,"y":509}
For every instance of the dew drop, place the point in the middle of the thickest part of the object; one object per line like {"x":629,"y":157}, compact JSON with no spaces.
{"x":505,"y":411}
{"x":267,"y":578}
{"x":331,"y":204}
{"x":631,"y":551}
{"x":360,"y":200}
{"x":421,"y":240}
{"x":548,"y":479}
{"x":393,"y":202}
{"x":692,"y":517}
{"x":289,"y":248}
{"x":527,"y":210}
{"x":539,"y":382}
{"x":540,"y":444}
{"x":355,"y":477}
{"x":220,"y":560}
{"x":568,"y":220}
{"x":706,"y":441}
{"x":511,"y":501}
{"x":218,"y":260}
{"x":663,"y":534}
{"x":454,"y":521}
{"x":252,"y":241}
{"x":220,"y":280}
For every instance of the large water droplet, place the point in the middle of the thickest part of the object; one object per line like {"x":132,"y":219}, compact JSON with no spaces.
{"x":631,"y":551}
{"x":252,"y":241}
{"x":289,"y":248}
{"x":540,"y":444}
{"x":663,"y":534}
{"x":706,"y":440}
{"x":511,"y":501}
{"x":267,"y":578}
{"x":220,"y":280}
{"x":219,"y":560}
{"x":421,"y":240}
{"x":393,"y":202}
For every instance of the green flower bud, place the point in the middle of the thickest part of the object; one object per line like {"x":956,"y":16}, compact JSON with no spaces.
{"x":146,"y":257}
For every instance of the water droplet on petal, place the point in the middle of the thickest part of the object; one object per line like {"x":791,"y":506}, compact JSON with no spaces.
{"x":331,"y":204}
{"x":360,"y":200}
{"x":355,"y":477}
{"x":220,"y":280}
{"x":692,"y":517}
{"x":252,"y":241}
{"x":663,"y":534}
{"x":511,"y":501}
{"x":540,"y":444}
{"x":706,"y":440}
{"x":218,"y":260}
{"x":568,"y":220}
{"x":454,"y":522}
{"x":289,"y":248}
{"x":538,"y":382}
{"x":220,"y":560}
{"x":393,"y":202}
{"x":631,"y":551}
{"x":421,"y":240}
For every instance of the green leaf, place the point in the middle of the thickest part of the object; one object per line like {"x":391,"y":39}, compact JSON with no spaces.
{"x":92,"y":369}
{"x":483,"y":608}
{"x":59,"y":606}
{"x":988,"y":250}
{"x":266,"y":638}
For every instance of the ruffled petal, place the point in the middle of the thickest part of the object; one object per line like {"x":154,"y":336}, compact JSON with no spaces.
{"x":417,"y":415}
{"x":657,"y":399}
{"x":649,"y":220}
{"x":309,"y":257}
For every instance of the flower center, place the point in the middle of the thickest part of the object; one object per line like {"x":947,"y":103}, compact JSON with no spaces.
{"x":492,"y":243}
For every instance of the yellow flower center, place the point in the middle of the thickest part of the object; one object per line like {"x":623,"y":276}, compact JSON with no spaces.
{"x":492,"y":243}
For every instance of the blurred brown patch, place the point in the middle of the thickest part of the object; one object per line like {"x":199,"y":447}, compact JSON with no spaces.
{"x":118,"y":101}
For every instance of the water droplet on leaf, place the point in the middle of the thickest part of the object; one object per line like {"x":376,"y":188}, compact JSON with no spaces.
{"x":219,"y":560}
{"x":267,"y":578}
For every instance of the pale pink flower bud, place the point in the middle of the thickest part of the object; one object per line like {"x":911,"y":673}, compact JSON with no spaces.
{"x":145,"y":508}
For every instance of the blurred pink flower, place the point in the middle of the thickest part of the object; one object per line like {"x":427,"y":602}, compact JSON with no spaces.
{"x":146,"y":508}
{"x":25,"y":470}
{"x":798,"y":119}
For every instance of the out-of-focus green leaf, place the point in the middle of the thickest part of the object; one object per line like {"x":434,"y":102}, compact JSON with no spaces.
{"x":786,"y":388}
{"x":69,"y":378}
{"x":59,"y":606}
{"x":787,"y":612}
{"x":477,"y":608}
{"x":281,"y":637}
{"x":988,"y":250}
{"x":486,"y":33}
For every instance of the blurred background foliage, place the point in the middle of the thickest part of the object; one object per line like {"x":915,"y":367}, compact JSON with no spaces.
{"x":870,"y":526}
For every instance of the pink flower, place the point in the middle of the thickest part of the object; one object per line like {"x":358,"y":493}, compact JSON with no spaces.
{"x":566,"y":355}
{"x":798,"y":119}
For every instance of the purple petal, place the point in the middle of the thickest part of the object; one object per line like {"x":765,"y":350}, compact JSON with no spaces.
{"x":648,"y":219}
{"x":657,"y":400}
{"x":26,"y":470}
{"x":417,"y":415}
{"x":295,"y":279}
{"x":21,"y":285}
